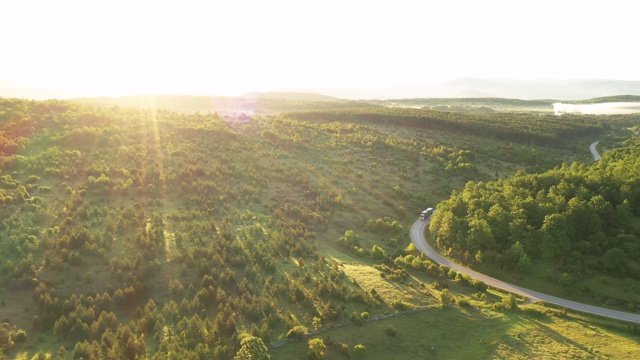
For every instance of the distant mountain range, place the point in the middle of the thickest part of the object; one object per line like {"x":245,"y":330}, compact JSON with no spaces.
{"x":458,"y":88}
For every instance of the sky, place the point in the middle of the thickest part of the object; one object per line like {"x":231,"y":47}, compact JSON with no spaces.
{"x":213,"y":47}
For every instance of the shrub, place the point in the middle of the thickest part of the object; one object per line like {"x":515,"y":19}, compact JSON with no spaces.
{"x":510,"y":302}
{"x":344,"y":350}
{"x":20,"y":336}
{"x":377,"y":252}
{"x":359,"y":350}
{"x":316,"y":349}
{"x":399,"y":304}
{"x":446,"y":297}
{"x":297,"y":332}
{"x":479,"y":285}
{"x":390,"y":330}
{"x":565,"y":280}
{"x":356,"y":319}
{"x":534,"y":312}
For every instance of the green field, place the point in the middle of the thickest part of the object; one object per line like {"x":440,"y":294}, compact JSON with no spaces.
{"x":477,"y":333}
{"x":146,"y":233}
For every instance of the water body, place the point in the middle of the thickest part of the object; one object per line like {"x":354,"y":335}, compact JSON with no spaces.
{"x":611,"y":108}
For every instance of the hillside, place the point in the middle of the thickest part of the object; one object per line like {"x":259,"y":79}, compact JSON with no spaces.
{"x":606,"y":99}
{"x":301,"y":96}
{"x":546,"y":130}
{"x":146,"y":233}
{"x":250,"y":104}
{"x":577,"y":222}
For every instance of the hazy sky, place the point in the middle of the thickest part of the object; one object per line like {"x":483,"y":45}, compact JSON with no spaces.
{"x":230,"y":47}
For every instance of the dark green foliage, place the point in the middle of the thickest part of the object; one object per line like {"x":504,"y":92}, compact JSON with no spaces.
{"x":377,"y":252}
{"x":150,"y":224}
{"x":578,"y":215}
{"x":446,"y":297}
{"x":509,"y":302}
{"x":605,"y":99}
{"x":390,"y":331}
{"x":548,"y":130}
{"x":139,"y":233}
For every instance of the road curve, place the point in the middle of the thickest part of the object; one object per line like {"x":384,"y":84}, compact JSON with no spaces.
{"x":594,"y":152}
{"x":420,"y":242}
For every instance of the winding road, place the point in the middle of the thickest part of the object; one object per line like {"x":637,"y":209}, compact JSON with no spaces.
{"x":594,"y":152}
{"x":420,"y":242}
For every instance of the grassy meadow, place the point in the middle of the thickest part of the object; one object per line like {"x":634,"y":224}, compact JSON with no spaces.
{"x":145,"y":233}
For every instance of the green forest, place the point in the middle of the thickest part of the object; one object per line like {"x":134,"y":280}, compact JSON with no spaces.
{"x":582,"y":218}
{"x":151,"y":232}
{"x":545,"y":130}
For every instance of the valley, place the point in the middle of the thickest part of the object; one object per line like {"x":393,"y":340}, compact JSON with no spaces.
{"x":139,"y":231}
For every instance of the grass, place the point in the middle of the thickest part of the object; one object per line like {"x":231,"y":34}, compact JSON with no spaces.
{"x":477,"y":332}
{"x":365,"y":177}
{"x":597,"y":289}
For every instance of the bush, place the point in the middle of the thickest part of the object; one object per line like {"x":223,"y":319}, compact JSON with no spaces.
{"x":510,"y":302}
{"x":20,"y":336}
{"x":359,"y":350}
{"x":5,"y":339}
{"x":535,"y":312}
{"x":377,"y":252}
{"x":479,"y":285}
{"x":565,"y":280}
{"x":399,"y":304}
{"x":344,"y":350}
{"x":316,"y":349}
{"x":390,"y":330}
{"x":297,"y":332}
{"x":446,"y":297}
{"x":356,"y":319}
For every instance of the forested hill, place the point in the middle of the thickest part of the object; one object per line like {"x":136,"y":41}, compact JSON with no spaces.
{"x":606,"y":99}
{"x":486,"y":105}
{"x":580,"y":216}
{"x":126,"y":233}
{"x":546,"y":130}
{"x":135,"y":233}
{"x":498,"y":103}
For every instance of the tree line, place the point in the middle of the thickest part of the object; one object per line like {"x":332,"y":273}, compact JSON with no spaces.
{"x":580,"y":216}
{"x":533,"y":129}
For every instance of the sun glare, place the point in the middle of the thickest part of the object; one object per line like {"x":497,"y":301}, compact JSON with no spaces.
{"x":228,"y":48}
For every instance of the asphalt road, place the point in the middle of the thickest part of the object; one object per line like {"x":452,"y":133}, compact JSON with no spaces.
{"x":420,"y":242}
{"x":594,"y":152}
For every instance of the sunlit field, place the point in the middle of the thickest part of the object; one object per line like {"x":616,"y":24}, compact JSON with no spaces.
{"x":146,"y":233}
